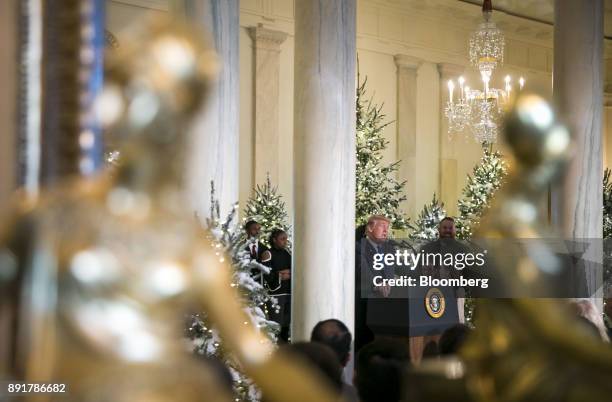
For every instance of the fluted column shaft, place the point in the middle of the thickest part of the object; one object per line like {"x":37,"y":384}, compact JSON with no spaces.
{"x":214,"y":152}
{"x":576,"y":202}
{"x":324,"y":162}
{"x":578,"y":95}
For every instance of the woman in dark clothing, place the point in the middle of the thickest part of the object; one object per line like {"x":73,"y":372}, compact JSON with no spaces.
{"x":279,"y":281}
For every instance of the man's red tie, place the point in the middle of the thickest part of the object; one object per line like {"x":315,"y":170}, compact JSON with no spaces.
{"x":253,"y":251}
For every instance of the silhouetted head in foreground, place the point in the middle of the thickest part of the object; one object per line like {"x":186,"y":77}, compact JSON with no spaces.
{"x":379,"y":370}
{"x":336,"y":335}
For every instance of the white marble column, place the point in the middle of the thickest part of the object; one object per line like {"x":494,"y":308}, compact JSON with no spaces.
{"x":266,"y":45}
{"x":324,"y":161}
{"x":450,"y":184}
{"x":214,"y":152}
{"x":407,"y":67}
{"x":578,"y":94}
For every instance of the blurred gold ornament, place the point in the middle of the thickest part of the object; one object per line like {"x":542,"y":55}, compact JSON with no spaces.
{"x":98,"y":275}
{"x":523,"y":349}
{"x":532,"y":349}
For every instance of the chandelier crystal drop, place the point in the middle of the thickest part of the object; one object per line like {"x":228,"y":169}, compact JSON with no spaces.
{"x":479,"y":112}
{"x":487,"y":44}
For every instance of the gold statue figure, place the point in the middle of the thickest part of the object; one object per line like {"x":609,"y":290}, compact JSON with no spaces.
{"x":523,"y":349}
{"x":532,"y":349}
{"x":98,"y":275}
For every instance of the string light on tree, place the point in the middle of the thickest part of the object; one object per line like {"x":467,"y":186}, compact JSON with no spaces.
{"x":425,"y":228}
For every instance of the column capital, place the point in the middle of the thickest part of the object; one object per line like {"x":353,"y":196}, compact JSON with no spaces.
{"x":267,"y":38}
{"x":405,"y":61}
{"x":450,"y":70}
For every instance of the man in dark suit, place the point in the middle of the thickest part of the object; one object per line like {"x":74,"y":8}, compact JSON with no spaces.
{"x":258,"y":251}
{"x":256,"y":248}
{"x":367,"y":296}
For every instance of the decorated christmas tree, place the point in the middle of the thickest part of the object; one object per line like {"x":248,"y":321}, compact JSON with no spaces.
{"x":268,"y":209}
{"x":486,"y":178}
{"x":426,"y":226}
{"x":377,"y":190}
{"x":206,"y":341}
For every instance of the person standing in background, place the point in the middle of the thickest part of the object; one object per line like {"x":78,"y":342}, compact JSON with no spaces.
{"x":278,"y":281}
{"x":258,"y":251}
{"x":367,"y":296}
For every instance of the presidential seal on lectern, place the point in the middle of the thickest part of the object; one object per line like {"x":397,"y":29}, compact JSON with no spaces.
{"x":435,"y":304}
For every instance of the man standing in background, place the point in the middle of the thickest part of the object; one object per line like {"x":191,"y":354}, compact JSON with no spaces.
{"x":258,"y":251}
{"x":256,"y":248}
{"x":368,"y":296}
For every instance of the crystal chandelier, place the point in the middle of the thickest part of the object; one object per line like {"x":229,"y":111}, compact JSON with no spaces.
{"x":479,"y":112}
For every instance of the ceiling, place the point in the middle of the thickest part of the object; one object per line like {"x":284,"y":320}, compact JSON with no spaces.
{"x":541,"y":10}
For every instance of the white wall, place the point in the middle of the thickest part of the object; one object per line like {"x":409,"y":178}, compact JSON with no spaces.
{"x":380,"y":70}
{"x":435,"y":32}
{"x":386,"y":28}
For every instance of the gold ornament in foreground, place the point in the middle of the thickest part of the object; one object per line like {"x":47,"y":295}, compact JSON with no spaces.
{"x":523,"y":349}
{"x":99,"y":275}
